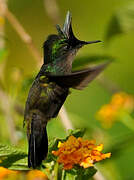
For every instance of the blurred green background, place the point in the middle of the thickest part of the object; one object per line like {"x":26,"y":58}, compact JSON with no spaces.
{"x":111,"y":21}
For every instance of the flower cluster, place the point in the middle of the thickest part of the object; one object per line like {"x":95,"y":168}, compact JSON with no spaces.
{"x":76,"y":151}
{"x":110,"y":112}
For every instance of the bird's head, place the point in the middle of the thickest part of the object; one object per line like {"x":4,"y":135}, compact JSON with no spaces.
{"x":59,"y":46}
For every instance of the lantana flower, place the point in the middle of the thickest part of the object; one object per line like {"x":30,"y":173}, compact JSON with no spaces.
{"x":76,"y":151}
{"x":120,"y":102}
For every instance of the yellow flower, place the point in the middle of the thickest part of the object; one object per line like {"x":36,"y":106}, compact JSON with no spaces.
{"x":36,"y":174}
{"x":109,"y":113}
{"x":59,"y":144}
{"x":4,"y":172}
{"x":76,"y":151}
{"x":99,"y":147}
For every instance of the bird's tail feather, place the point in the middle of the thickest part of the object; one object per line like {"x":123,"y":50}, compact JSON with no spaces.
{"x":38,"y":145}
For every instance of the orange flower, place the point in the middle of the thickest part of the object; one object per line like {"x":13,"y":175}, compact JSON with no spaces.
{"x":109,"y":113}
{"x":76,"y":151}
{"x":6,"y":172}
{"x":36,"y":174}
{"x":123,"y":100}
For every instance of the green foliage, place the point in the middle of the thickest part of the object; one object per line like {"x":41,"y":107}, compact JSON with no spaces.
{"x":76,"y":133}
{"x":12,"y":158}
{"x":79,"y":173}
{"x":53,"y":144}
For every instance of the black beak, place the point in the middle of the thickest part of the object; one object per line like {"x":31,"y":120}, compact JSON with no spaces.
{"x":67,"y":32}
{"x":82,"y":43}
{"x":91,"y":42}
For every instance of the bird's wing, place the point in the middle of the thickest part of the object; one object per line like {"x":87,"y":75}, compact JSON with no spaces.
{"x":78,"y":79}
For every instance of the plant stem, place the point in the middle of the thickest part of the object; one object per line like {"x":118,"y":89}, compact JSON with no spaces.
{"x":127,"y":120}
{"x":63,"y":175}
{"x":108,"y":84}
{"x":56,"y":168}
{"x":65,"y":119}
{"x":99,"y":176}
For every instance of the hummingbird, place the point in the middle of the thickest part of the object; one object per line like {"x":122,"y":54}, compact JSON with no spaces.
{"x":51,"y":87}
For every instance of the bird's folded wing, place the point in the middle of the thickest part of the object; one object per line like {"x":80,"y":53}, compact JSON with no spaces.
{"x":78,"y":79}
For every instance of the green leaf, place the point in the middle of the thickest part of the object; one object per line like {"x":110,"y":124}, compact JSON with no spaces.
{"x":79,"y":173}
{"x":12,"y":158}
{"x":76,"y":133}
{"x":3,"y":54}
{"x":20,"y":164}
{"x":6,"y":150}
{"x":69,"y":175}
{"x":90,"y":60}
{"x":53,"y":146}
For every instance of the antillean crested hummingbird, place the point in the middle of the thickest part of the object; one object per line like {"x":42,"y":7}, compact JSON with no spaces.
{"x":51,"y":87}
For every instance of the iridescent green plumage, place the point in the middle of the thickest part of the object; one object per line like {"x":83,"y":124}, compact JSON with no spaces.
{"x":51,"y":87}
